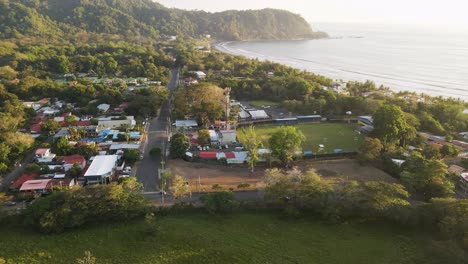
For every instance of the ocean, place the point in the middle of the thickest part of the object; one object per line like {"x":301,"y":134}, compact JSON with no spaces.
{"x":426,"y":60}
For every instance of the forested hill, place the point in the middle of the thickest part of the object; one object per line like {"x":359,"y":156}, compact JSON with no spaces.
{"x":61,"y":19}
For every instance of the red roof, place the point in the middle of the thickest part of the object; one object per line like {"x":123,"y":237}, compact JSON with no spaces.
{"x":21,"y":180}
{"x":83,"y":123}
{"x":65,"y":114}
{"x":36,"y":128}
{"x":230,"y":155}
{"x":32,"y":185}
{"x":60,"y":183}
{"x":194,"y":141}
{"x":124,"y":105}
{"x":42,"y":151}
{"x":207,"y":155}
{"x":74,"y":159}
{"x":77,"y":123}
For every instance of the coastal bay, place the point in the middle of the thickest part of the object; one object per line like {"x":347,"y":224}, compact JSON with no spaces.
{"x":434,"y":62}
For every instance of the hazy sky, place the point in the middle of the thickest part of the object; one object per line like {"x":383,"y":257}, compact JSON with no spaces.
{"x":429,"y":12}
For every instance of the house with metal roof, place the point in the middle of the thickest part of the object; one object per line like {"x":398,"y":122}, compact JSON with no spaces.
{"x":101,"y":169}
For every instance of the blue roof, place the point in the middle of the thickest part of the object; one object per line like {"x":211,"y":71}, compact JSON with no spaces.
{"x":104,"y":133}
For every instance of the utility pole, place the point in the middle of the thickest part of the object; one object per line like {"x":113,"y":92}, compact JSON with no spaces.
{"x":199,"y":184}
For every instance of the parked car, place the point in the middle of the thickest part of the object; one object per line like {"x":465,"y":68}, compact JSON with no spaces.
{"x":10,"y":203}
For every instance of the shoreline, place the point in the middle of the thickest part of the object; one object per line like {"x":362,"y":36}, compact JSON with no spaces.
{"x":223,"y":46}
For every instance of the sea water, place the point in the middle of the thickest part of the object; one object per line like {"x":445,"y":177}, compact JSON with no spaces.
{"x":419,"y":59}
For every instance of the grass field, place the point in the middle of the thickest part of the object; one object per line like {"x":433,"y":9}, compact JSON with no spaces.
{"x":260,"y":103}
{"x":332,"y":135}
{"x":239,"y":238}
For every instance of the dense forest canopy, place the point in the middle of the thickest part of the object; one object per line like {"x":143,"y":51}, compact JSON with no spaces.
{"x":132,"y":19}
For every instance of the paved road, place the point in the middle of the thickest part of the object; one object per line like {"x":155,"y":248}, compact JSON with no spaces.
{"x":156,"y":130}
{"x":195,"y":198}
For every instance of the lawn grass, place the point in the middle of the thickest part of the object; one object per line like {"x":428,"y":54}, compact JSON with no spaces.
{"x":332,"y":135}
{"x":239,"y":238}
{"x":260,"y":103}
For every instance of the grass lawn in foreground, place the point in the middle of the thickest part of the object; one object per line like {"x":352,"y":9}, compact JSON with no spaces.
{"x":332,"y":135}
{"x":239,"y":238}
{"x":260,"y":103}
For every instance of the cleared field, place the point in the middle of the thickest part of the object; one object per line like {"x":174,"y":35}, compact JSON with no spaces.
{"x":239,"y":238}
{"x":331,"y":135}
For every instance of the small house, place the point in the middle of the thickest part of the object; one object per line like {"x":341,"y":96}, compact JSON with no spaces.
{"x":43,"y":155}
{"x":103,"y":107}
{"x":101,"y":169}
{"x":200,"y":74}
{"x":69,"y":161}
{"x":36,"y":186}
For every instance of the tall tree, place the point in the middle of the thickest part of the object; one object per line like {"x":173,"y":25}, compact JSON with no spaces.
{"x":285,"y":142}
{"x":251,"y":141}
{"x":180,"y":187}
{"x":390,"y":125}
{"x":61,"y":147}
{"x":203,"y":137}
{"x":179,"y":145}
{"x":427,"y":176}
{"x":370,"y":150}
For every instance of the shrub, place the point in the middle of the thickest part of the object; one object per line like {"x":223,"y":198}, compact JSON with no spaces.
{"x":219,"y":202}
{"x":243,"y":185}
{"x":66,"y":209}
{"x":155,"y":152}
{"x":217,"y":186}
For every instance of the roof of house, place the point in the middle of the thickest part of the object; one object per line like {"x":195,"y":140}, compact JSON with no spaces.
{"x":60,"y":182}
{"x":243,"y":114}
{"x":186,"y":123}
{"x":124,"y":146}
{"x":42,"y":151}
{"x":258,"y":114}
{"x":464,"y":176}
{"x":230,"y":155}
{"x":73,"y":159}
{"x":101,"y":165}
{"x":103,"y":107}
{"x":35,"y":185}
{"x":83,"y":123}
{"x":36,"y":127}
{"x":208,"y":155}
{"x":23,"y":178}
{"x":456,"y":169}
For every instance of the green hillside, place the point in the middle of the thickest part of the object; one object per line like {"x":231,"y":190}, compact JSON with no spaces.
{"x":131,"y":18}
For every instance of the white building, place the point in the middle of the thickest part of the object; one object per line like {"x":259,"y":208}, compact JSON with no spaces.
{"x":464,"y":135}
{"x":200,"y":74}
{"x":101,"y":170}
{"x":43,"y":155}
{"x":103,"y":107}
{"x":258,"y":114}
{"x":114,"y":123}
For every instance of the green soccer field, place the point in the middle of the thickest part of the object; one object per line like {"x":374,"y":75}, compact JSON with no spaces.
{"x":260,"y":103}
{"x":331,"y":135}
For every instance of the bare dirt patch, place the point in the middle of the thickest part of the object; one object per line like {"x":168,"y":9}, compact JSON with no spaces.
{"x":347,"y":169}
{"x":210,"y":174}
{"x":230,"y":177}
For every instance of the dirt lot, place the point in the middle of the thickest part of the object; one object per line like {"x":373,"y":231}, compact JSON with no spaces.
{"x":210,"y":174}
{"x":347,"y":169}
{"x":231,"y":177}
